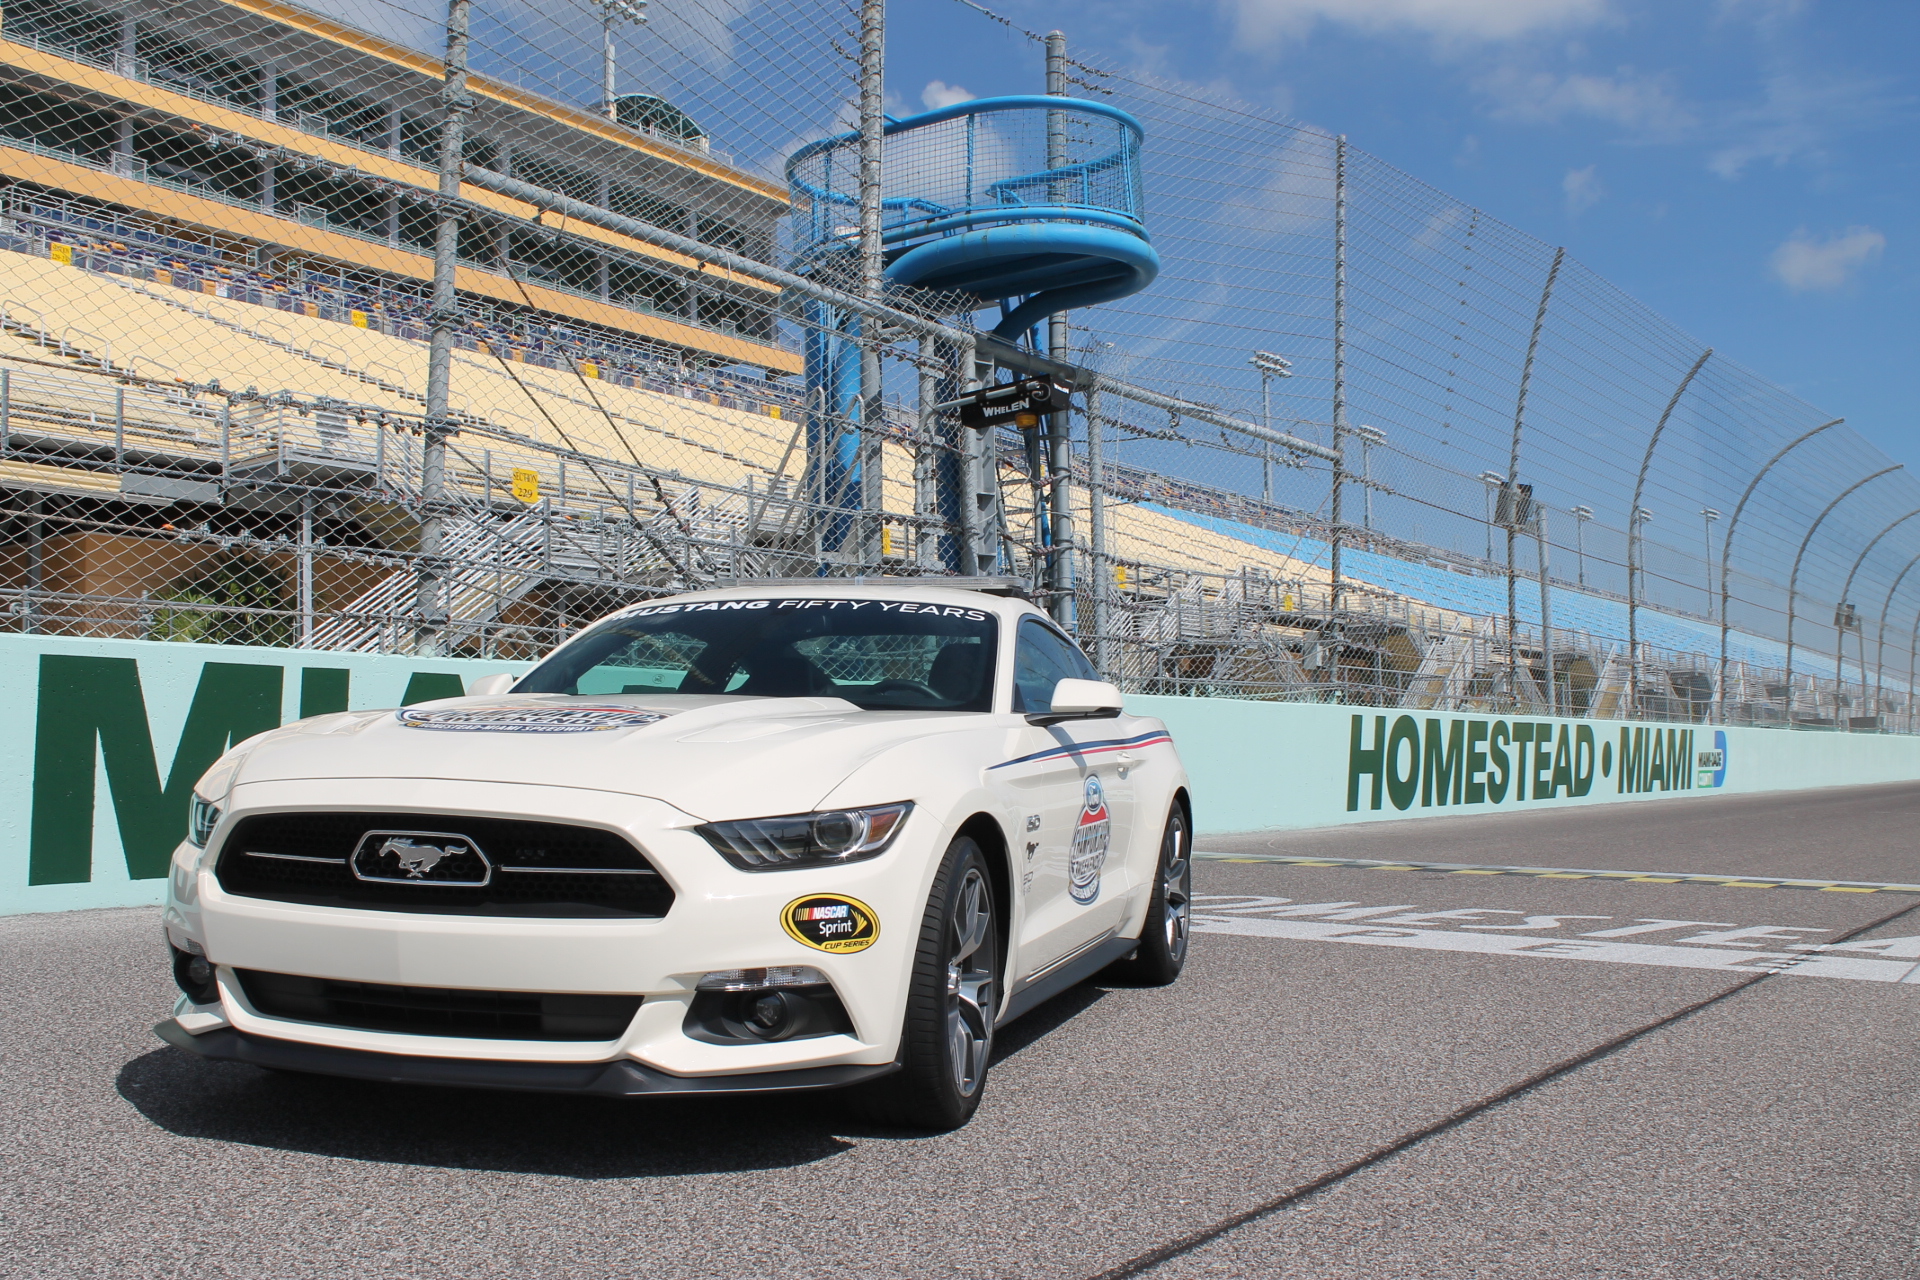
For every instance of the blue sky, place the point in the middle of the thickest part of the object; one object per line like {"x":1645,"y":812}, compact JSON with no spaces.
{"x":1749,"y":168}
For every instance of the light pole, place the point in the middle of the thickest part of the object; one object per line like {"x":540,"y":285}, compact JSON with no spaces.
{"x":1709,"y":515}
{"x":1580,"y":517}
{"x":1726,"y":548}
{"x":1793,"y":579}
{"x":1369,"y":437}
{"x":634,"y":11}
{"x":1270,"y":366}
{"x":1492,"y":480}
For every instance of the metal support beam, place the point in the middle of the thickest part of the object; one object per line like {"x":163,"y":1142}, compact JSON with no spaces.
{"x":1059,"y":425}
{"x":1726,"y":551}
{"x":1846,"y":592}
{"x":1633,"y":543}
{"x":444,"y":317}
{"x":1793,"y":579}
{"x":1513,"y":474}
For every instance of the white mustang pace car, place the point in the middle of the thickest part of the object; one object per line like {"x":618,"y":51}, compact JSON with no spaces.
{"x":776,"y":837}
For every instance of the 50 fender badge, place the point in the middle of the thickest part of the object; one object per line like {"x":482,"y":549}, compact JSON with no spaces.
{"x":830,"y":922}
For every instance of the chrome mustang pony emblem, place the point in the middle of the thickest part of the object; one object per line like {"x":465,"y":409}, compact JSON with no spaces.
{"x":415,"y":859}
{"x":420,"y":857}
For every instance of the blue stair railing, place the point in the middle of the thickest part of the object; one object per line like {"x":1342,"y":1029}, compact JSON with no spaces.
{"x":1030,"y":203}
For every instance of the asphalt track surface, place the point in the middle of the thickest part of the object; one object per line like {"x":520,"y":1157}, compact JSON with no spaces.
{"x":1487,"y":1094}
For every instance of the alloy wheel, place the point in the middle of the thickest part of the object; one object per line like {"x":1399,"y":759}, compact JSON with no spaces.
{"x":1176,"y":887}
{"x":970,"y":981}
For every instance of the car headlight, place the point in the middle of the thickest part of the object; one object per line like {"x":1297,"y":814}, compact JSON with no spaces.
{"x":203,"y":815}
{"x":822,"y":839}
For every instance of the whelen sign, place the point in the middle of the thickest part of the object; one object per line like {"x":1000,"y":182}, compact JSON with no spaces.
{"x":1014,"y":404}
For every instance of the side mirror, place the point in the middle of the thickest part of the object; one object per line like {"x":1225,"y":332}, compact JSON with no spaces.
{"x":1080,"y":700}
{"x":487,"y":686}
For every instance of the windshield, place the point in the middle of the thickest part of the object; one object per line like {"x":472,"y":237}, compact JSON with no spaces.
{"x":882,"y":655}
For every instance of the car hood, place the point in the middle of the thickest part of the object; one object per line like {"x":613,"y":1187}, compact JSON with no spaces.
{"x":711,"y":757}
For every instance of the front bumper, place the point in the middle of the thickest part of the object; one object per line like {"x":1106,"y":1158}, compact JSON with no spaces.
{"x":721,"y":919}
{"x":622,"y":1079}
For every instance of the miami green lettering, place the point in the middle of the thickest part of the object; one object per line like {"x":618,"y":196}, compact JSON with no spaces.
{"x":1582,"y":759}
{"x":425,"y":686}
{"x":1497,"y":740}
{"x":1522,"y":756}
{"x":1476,"y":788}
{"x":84,"y":701}
{"x":1443,"y":771}
{"x":1562,"y":763}
{"x":1365,"y":760}
{"x":323,"y":690}
{"x":1542,"y":761}
{"x":1401,"y":790}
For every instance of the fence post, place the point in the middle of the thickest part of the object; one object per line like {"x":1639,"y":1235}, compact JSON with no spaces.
{"x":1339,"y":476}
{"x":1097,"y":529}
{"x":305,"y":572}
{"x":1546,"y":607}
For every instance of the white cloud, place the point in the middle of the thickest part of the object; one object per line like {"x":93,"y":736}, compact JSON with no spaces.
{"x":1454,"y":20}
{"x":1583,"y":189}
{"x":1798,"y":117}
{"x":1805,"y":263}
{"x":939,"y":93}
{"x":1645,"y":104}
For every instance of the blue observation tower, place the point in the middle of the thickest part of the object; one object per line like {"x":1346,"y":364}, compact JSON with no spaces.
{"x":1032,"y":204}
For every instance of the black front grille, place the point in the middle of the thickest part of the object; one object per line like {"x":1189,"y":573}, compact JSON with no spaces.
{"x":439,"y":1011}
{"x":539,"y":868}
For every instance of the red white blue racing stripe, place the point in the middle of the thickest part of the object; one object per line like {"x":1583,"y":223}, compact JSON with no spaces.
{"x":1153,"y":739}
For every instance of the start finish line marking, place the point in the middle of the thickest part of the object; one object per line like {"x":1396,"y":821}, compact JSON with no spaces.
{"x":1573,"y":873}
{"x":1496,"y":931}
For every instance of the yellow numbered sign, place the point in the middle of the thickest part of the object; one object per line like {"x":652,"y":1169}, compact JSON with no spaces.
{"x":526,"y":484}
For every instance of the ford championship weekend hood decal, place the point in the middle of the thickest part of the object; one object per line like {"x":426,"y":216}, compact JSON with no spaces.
{"x":525,"y":719}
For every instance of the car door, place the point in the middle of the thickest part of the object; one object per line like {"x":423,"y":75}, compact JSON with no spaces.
{"x":1070,"y":787}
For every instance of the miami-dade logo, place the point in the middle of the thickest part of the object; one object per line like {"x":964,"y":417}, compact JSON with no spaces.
{"x":420,"y":857}
{"x":1091,"y":836}
{"x":1710,"y":765}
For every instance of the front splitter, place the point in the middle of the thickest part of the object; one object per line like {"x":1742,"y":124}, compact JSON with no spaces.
{"x":621,"y":1079}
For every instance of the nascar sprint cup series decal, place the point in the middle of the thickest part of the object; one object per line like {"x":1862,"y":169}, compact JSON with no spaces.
{"x":1091,"y":836}
{"x":829,"y":922}
{"x":569,"y":719}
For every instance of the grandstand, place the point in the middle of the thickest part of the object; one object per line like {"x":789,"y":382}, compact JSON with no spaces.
{"x":215,"y":246}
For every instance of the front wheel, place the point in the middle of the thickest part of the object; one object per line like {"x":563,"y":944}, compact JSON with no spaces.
{"x":952,"y":999}
{"x":1163,"y":939}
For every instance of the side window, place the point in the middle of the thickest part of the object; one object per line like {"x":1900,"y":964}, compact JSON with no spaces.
{"x":1042,"y":658}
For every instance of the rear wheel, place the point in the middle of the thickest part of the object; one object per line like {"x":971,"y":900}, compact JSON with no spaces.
{"x":952,"y":998}
{"x":1163,"y":940}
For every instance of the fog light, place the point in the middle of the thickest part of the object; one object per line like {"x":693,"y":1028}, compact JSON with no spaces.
{"x":761,"y":1006}
{"x":773,"y":1014}
{"x":194,"y":975}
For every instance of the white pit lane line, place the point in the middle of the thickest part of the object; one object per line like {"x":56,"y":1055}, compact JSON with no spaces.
{"x":1246,"y":915}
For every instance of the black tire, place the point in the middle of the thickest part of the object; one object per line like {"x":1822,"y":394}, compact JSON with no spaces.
{"x":952,"y":998}
{"x":1163,"y":939}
